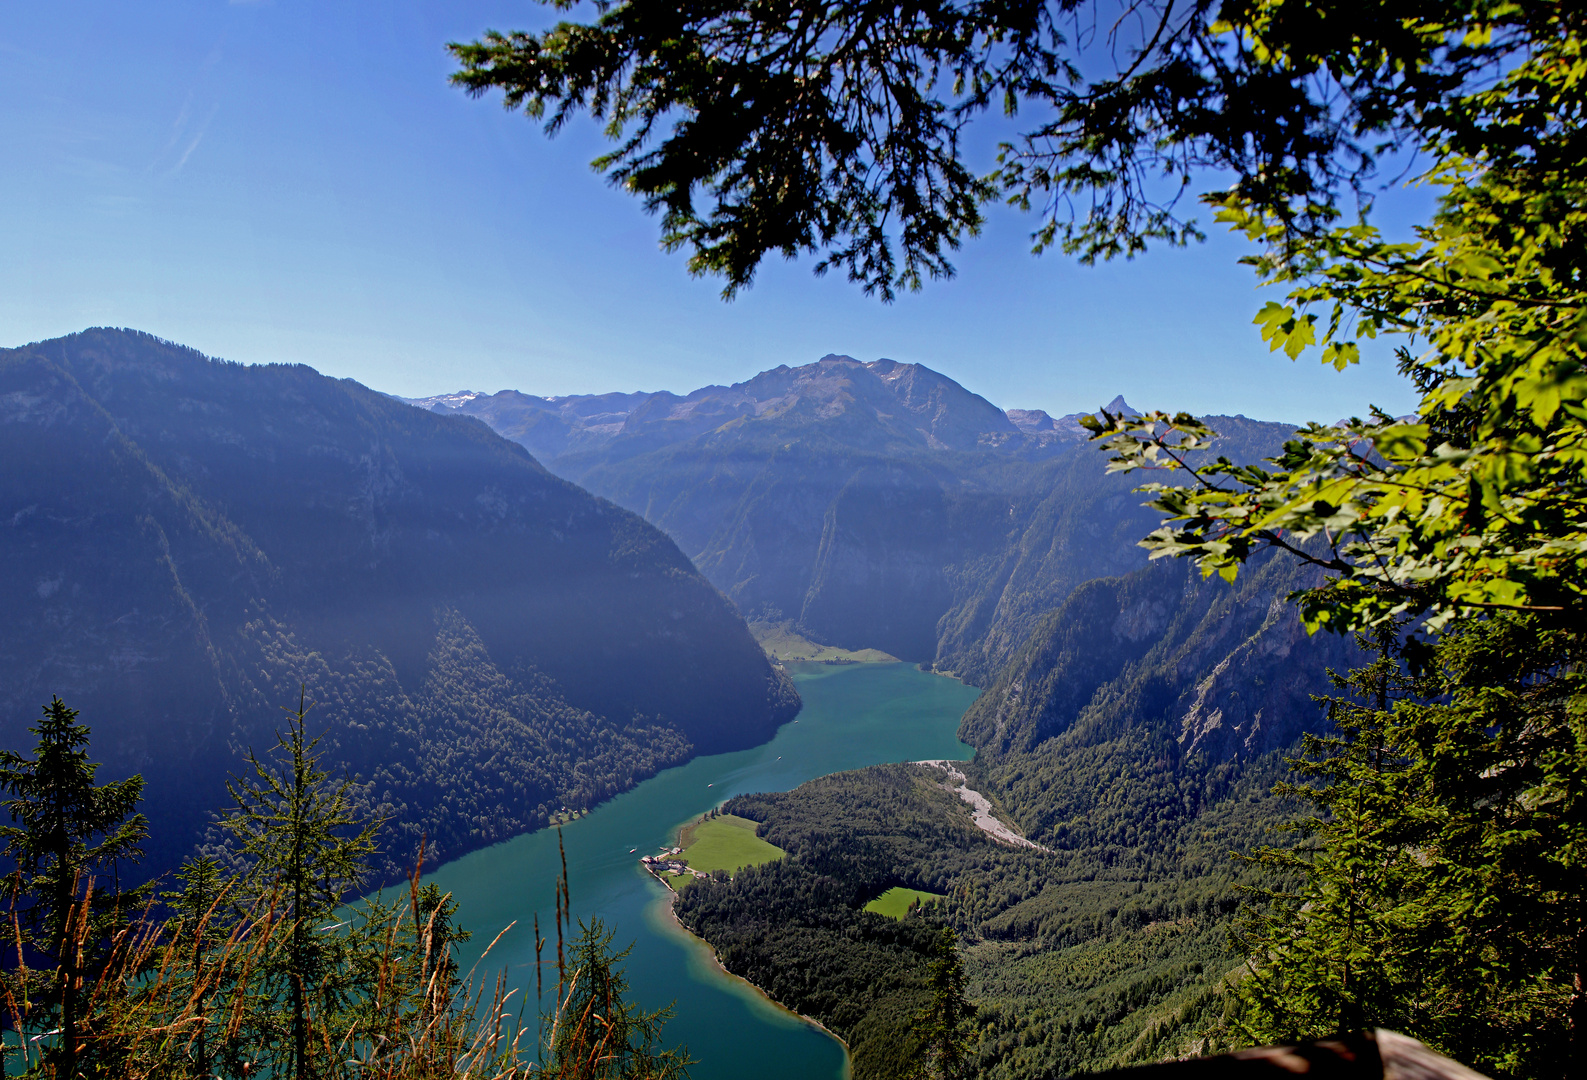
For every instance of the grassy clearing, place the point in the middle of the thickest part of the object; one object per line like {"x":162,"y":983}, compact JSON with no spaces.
{"x":725,"y":843}
{"x":782,"y":642}
{"x":895,"y":901}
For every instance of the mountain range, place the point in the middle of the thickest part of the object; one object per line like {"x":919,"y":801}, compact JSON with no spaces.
{"x":872,"y":505}
{"x":487,"y":644}
{"x":906,"y":403}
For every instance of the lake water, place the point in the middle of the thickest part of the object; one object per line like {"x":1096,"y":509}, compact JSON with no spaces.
{"x":853,"y":716}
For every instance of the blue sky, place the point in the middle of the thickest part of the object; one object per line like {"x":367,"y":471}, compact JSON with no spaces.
{"x":296,"y":181}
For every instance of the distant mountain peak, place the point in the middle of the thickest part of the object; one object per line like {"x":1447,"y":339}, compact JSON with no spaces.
{"x":1031,"y":421}
{"x":891,"y":401}
{"x":446,"y":401}
{"x":1119,"y":407}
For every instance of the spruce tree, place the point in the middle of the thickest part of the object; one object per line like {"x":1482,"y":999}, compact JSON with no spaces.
{"x":67,"y":840}
{"x":307,"y":853}
{"x":1439,"y":890}
{"x":1336,"y":945}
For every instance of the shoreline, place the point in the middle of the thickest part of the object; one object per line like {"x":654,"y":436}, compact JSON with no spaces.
{"x":672,"y":914}
{"x":671,"y":899}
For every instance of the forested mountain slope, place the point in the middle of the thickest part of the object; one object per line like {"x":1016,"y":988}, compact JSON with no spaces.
{"x":875,"y":505}
{"x":187,"y":541}
{"x":1137,"y":736}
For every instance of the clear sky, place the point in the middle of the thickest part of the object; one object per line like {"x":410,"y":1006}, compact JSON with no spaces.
{"x":295,"y":180}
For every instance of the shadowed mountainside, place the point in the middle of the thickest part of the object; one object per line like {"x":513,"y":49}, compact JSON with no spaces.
{"x":188,"y":540}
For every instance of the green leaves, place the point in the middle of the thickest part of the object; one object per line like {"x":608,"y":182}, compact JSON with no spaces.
{"x":1480,"y":504}
{"x":1283,"y":329}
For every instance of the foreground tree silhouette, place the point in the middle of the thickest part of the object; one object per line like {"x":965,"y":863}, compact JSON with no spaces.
{"x":308,"y":851}
{"x":68,"y":838}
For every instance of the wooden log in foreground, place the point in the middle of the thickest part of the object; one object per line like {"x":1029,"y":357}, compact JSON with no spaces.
{"x":1371,"y":1055}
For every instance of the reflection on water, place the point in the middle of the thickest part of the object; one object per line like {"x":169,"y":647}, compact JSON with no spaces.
{"x":853,"y":715}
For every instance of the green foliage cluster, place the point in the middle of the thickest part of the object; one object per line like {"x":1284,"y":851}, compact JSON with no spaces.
{"x":266,"y":963}
{"x":193,"y":540}
{"x":1477,"y":503}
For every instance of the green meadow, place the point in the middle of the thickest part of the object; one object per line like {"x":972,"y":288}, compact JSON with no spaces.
{"x":783,"y":643}
{"x":725,"y":843}
{"x":895,"y":901}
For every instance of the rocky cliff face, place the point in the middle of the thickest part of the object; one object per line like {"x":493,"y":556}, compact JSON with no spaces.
{"x":1227,"y":671}
{"x":188,"y":541}
{"x":1146,"y":697}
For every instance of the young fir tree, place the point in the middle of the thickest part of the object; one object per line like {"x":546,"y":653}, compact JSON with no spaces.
{"x":434,"y":976}
{"x":67,"y":840}
{"x":307,"y":852}
{"x":197,"y":933}
{"x":942,"y":1027}
{"x":595,"y":1033}
{"x":592,"y":1032}
{"x":409,"y":1007}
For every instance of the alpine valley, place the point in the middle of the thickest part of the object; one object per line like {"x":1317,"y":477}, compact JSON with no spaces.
{"x":1133,"y":721}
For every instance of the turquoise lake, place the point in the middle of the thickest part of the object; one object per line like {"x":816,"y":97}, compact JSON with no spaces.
{"x":853,"y":715}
